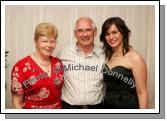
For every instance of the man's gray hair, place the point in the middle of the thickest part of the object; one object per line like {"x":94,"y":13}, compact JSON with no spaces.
{"x":81,"y":18}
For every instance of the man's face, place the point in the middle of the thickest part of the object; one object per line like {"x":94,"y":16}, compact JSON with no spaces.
{"x":85,"y":33}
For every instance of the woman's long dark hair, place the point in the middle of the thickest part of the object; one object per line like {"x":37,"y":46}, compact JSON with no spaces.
{"x":120,"y":24}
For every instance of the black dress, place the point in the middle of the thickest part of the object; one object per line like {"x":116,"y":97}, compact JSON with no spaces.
{"x":120,"y":88}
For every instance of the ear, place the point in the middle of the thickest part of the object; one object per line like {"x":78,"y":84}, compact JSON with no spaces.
{"x":95,"y":32}
{"x":35,"y":41}
{"x":75,"y":33}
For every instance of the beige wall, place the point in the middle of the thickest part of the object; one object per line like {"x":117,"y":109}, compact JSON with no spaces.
{"x":20,"y":22}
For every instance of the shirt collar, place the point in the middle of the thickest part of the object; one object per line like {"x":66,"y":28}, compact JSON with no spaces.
{"x":96,"y":50}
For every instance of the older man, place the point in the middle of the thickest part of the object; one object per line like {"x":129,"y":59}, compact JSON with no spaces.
{"x":83,"y":87}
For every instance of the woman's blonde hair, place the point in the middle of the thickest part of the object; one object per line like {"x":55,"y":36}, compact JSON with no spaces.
{"x":45,"y":29}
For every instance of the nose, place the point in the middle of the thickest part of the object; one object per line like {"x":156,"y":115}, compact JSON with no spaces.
{"x":49,"y":43}
{"x":84,"y":33}
{"x":111,"y":36}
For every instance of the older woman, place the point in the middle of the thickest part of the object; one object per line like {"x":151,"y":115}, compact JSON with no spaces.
{"x":125,"y":73}
{"x":37,"y":79}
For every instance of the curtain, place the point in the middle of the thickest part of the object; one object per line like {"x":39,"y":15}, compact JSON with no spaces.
{"x":21,"y":20}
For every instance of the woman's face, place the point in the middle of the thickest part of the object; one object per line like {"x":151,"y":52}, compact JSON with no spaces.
{"x":114,"y":37}
{"x":45,"y":46}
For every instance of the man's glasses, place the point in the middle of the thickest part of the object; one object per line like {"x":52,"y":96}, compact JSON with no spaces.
{"x":89,"y":30}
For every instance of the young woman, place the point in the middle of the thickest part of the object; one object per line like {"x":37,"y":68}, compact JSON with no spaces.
{"x":125,"y":73}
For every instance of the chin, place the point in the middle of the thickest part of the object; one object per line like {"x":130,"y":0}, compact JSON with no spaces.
{"x":48,"y":54}
{"x":113,"y":45}
{"x":87,"y":43}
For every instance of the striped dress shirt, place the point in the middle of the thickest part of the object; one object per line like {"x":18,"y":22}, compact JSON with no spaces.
{"x":83,"y":77}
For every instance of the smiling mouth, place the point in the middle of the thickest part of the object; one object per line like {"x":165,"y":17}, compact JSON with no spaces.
{"x":85,"y":38}
{"x":48,"y":50}
{"x":112,"y":42}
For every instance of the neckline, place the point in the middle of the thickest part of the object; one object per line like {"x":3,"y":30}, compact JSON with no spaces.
{"x":118,"y":67}
{"x":41,"y":70}
{"x":38,"y":60}
{"x":95,"y":50}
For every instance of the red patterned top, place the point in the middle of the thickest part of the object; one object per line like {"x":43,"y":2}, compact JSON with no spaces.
{"x":39,"y":90}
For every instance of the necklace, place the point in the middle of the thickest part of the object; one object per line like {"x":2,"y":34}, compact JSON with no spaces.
{"x":114,"y":58}
{"x":40,"y":62}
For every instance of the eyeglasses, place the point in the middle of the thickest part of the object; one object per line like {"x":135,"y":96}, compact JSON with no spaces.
{"x":89,"y":30}
{"x":49,"y":41}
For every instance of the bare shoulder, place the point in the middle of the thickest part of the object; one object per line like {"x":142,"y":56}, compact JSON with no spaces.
{"x":134,"y":56}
